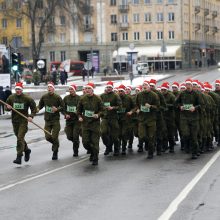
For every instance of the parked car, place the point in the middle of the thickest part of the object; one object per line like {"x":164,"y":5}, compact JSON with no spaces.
{"x":142,"y":68}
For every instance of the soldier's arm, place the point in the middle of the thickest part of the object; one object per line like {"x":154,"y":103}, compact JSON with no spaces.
{"x":80,"y":108}
{"x":156,"y":103}
{"x":100,"y":107}
{"x":9,"y":101}
{"x":33,"y":108}
{"x":118,"y":102}
{"x":41,"y":103}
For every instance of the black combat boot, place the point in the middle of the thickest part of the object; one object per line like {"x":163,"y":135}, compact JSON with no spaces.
{"x":106,"y":151}
{"x":171,"y":146}
{"x":75,"y":153}
{"x":18,"y":159}
{"x":27,"y":155}
{"x":123,"y":151}
{"x":55,"y":155}
{"x":95,"y":159}
{"x":140,"y":146}
{"x":116,"y":148}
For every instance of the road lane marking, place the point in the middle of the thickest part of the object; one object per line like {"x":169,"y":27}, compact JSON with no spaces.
{"x":172,"y":208}
{"x":40,"y":175}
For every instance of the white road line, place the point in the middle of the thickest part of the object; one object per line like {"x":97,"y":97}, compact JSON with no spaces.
{"x":167,"y":214}
{"x":40,"y":175}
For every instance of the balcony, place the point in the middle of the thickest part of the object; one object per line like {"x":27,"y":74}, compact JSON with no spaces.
{"x":206,"y":28}
{"x":197,"y":27}
{"x":206,"y":12}
{"x":123,"y":8}
{"x":88,"y":27}
{"x":214,"y":30}
{"x":214,"y":14}
{"x":197,"y":9}
{"x":123,"y":26}
{"x":87,"y":9}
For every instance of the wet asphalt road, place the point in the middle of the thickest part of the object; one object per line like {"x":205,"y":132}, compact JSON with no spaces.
{"x":124,"y":187}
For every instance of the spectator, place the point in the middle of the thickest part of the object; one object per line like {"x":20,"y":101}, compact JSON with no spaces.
{"x":92,"y":71}
{"x":62,"y":77}
{"x":2,"y":97}
{"x":7,"y":92}
{"x":84,"y":73}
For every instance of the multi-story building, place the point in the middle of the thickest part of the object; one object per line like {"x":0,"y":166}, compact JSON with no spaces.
{"x":14,"y":29}
{"x":168,"y":34}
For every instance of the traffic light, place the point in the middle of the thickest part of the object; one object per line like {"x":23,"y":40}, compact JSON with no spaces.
{"x":16,"y":61}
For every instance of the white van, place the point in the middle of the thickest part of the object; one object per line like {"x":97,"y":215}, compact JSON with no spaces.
{"x":142,"y":68}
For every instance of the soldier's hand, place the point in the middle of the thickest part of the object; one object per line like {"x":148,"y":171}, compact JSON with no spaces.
{"x":67,"y":117}
{"x":138,"y":111}
{"x":96,"y":116}
{"x":37,"y":110}
{"x":129,"y":113}
{"x":110,"y":108}
{"x":30,"y":119}
{"x":80,"y":119}
{"x":181,"y":108}
{"x":147,"y":105}
{"x":54,"y":109}
{"x":9,"y":107}
{"x":192,"y":109}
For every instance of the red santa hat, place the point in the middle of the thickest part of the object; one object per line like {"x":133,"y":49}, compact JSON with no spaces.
{"x":121,"y":87}
{"x":139,"y":88}
{"x":188,"y":81}
{"x":201,"y":86}
{"x":182,"y":86}
{"x":195,"y":82}
{"x":165,"y":85}
{"x":159,"y":88}
{"x":19,"y":85}
{"x":207,"y":86}
{"x":217,"y":82}
{"x":153,"y":82}
{"x":51,"y":84}
{"x":146,"y":83}
{"x":73,"y":86}
{"x":110,"y":84}
{"x":90,"y":85}
{"x":129,"y":87}
{"x":175,"y":84}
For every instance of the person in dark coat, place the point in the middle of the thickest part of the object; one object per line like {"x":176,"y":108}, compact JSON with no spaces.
{"x":2,"y":97}
{"x":7,"y":92}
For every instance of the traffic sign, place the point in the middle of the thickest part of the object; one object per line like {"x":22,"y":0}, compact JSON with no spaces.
{"x":88,"y":65}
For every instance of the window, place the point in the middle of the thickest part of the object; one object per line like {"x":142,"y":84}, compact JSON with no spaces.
{"x":171,"y":35}
{"x":113,"y":19}
{"x":62,"y":55}
{"x":18,"y":22}
{"x":51,"y":38}
{"x":112,"y":2}
{"x":62,"y":37}
{"x":52,"y":56}
{"x":114,"y":37}
{"x":17,"y":5}
{"x":87,"y":20}
{"x":171,"y":16}
{"x":124,"y":18}
{"x":62,"y":20}
{"x":40,"y":20}
{"x":147,"y":17}
{"x":159,"y":1}
{"x":136,"y":36}
{"x":148,"y":35}
{"x":17,"y":42}
{"x":136,"y":18}
{"x":3,"y":5}
{"x":40,"y":4}
{"x":135,"y":2}
{"x":170,"y":1}
{"x":160,"y":16}
{"x":5,"y":40}
{"x":147,"y":1}
{"x":125,"y":36}
{"x":4,"y":23}
{"x":160,"y":35}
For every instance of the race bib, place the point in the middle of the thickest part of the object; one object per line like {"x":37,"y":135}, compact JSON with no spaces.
{"x":187,"y":107}
{"x":71,"y":108}
{"x":18,"y":105}
{"x":122,"y":110}
{"x":89,"y":114}
{"x":48,"y":109}
{"x":107,"y":104}
{"x":145,"y":109}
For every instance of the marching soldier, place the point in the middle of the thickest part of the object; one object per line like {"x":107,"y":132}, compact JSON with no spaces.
{"x":109,"y":123}
{"x":217,"y":91}
{"x":124,"y":114}
{"x":53,"y":105}
{"x":72,"y":128}
{"x":147,"y":104}
{"x":89,"y":111}
{"x":189,"y":104}
{"x":21,"y":103}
